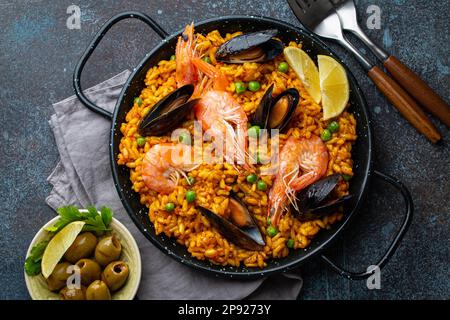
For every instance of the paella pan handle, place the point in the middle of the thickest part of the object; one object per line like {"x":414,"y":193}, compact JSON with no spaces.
{"x":395,"y":243}
{"x":93,"y":45}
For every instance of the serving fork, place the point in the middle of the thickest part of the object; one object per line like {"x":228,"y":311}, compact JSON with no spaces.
{"x":410,"y":81}
{"x":319,"y":17}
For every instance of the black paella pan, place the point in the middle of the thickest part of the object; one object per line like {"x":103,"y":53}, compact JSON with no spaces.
{"x":362,"y":150}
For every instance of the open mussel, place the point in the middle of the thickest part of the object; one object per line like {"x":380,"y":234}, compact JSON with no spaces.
{"x":168,"y":113}
{"x":257,"y":46}
{"x":237,"y":225}
{"x":320,"y":198}
{"x":275,"y":113}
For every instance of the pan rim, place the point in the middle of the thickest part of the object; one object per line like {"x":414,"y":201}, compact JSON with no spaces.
{"x":281,"y":267}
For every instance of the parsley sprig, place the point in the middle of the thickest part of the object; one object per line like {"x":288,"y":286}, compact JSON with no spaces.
{"x":33,"y":262}
{"x":94,"y":222}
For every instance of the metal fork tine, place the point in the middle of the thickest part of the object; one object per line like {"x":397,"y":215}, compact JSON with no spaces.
{"x":302,"y":4}
{"x":310,"y":12}
{"x":295,"y":7}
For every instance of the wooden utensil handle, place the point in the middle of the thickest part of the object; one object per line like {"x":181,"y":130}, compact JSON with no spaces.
{"x":416,"y":87}
{"x":404,"y":103}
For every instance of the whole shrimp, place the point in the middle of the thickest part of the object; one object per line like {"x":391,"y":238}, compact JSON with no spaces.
{"x":163,"y":165}
{"x":219,"y":112}
{"x":302,"y":162}
{"x":186,"y":72}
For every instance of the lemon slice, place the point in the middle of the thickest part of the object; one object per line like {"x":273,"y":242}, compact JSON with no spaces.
{"x":305,"y":69}
{"x":58,"y":245}
{"x":333,"y":85}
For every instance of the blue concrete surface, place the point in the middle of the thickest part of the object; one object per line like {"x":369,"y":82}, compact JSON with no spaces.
{"x":37,"y":56}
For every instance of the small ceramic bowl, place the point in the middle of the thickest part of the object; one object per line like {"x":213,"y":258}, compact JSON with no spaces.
{"x":37,"y":287}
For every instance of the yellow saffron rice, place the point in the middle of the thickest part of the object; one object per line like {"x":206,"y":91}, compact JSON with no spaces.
{"x":213,"y":183}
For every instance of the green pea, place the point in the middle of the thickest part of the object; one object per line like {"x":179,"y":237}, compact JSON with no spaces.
{"x":258,"y":158}
{"x":207,"y":59}
{"x":140,"y":141}
{"x":191,"y":196}
{"x":240,"y":87}
{"x":261,"y":185}
{"x":283,"y":67}
{"x":346,"y":177}
{"x":138,"y":100}
{"x":170,"y":206}
{"x":326,"y":135}
{"x":290,"y":243}
{"x":254,"y":131}
{"x":268,"y":221}
{"x":190,"y":180}
{"x":185,"y":138}
{"x":254,"y":86}
{"x":272,"y":231}
{"x":172,"y":57}
{"x":252,"y":178}
{"x":333,"y":126}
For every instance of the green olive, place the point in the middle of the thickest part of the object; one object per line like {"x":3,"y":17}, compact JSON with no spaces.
{"x":73,"y":294}
{"x":108,"y":250}
{"x":58,"y":278}
{"x":98,"y":290}
{"x":82,"y":247}
{"x":89,"y":271}
{"x":115,"y":275}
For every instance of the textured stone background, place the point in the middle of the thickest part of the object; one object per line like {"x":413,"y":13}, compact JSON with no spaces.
{"x":37,"y":57}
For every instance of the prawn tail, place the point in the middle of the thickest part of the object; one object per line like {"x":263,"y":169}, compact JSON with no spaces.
{"x":220,"y":80}
{"x":304,"y":180}
{"x":202,"y":86}
{"x":205,"y":67}
{"x":185,"y":71}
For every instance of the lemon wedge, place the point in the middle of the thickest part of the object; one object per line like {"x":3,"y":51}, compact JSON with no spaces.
{"x":58,"y":245}
{"x":306,"y":70}
{"x":333,"y":85}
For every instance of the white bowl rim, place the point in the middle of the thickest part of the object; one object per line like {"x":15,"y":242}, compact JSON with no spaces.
{"x":117,"y":224}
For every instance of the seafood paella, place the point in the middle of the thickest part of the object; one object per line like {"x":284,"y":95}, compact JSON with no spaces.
{"x":230,"y":151}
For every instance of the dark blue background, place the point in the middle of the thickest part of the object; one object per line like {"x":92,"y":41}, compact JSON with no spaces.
{"x":38,"y":54}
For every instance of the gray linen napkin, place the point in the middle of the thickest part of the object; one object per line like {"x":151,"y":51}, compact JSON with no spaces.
{"x":83,"y":177}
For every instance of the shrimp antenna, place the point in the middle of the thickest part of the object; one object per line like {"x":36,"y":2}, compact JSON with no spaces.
{"x":236,"y":145}
{"x":289,"y":191}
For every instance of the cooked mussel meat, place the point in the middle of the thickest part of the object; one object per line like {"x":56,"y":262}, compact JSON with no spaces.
{"x":275,"y":113}
{"x":168,"y":113}
{"x":237,"y":226}
{"x":320,"y":198}
{"x":257,"y":46}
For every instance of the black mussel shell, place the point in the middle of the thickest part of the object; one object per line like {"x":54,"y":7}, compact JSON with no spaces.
{"x":251,"y":47}
{"x":319,"y":199}
{"x":261,"y":115}
{"x":272,"y":113}
{"x":312,"y":196}
{"x":168,"y":113}
{"x":247,"y":237}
